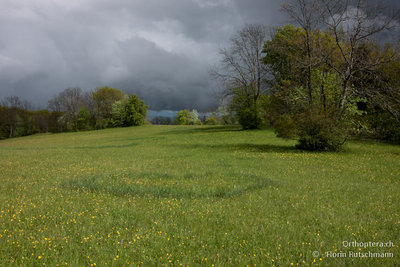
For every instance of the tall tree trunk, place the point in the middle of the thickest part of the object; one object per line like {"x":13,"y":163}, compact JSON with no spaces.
{"x":346,"y":78}
{"x":12,"y":119}
{"x":11,"y":131}
{"x":255,"y":113}
{"x":323,"y":97}
{"x":309,"y":87}
{"x":343,"y":97}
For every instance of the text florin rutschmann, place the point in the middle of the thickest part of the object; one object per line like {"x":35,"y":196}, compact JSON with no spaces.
{"x":360,"y":254}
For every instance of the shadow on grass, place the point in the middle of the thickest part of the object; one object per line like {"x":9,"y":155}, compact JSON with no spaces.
{"x":102,"y":184}
{"x":73,"y":147}
{"x":203,"y":129}
{"x":103,"y":146}
{"x":264,"y":148}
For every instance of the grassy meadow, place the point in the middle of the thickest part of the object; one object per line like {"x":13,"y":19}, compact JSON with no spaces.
{"x":193,"y":196}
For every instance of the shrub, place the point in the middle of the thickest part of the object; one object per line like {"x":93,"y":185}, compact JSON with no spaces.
{"x":248,"y":114}
{"x":285,"y":127}
{"x":313,"y":131}
{"x":319,"y":133}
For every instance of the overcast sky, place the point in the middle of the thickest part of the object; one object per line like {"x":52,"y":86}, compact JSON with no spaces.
{"x":159,"y":49}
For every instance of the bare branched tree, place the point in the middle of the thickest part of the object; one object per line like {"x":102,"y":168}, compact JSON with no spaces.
{"x":241,"y":70}
{"x":13,"y":105}
{"x":378,"y":80}
{"x":15,"y":109}
{"x":305,"y":13}
{"x":69,"y":101}
{"x":241,"y":65}
{"x":353,"y":25}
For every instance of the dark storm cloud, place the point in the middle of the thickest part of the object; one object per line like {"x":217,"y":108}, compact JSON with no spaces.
{"x":159,"y":49}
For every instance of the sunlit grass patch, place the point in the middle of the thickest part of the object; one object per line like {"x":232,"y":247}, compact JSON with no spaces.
{"x":196,"y":196}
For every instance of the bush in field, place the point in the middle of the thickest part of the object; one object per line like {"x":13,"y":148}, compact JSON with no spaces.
{"x":185,"y":117}
{"x":248,"y":114}
{"x":319,"y":133}
{"x":314,"y":132}
{"x":246,"y":111}
{"x":285,"y":127}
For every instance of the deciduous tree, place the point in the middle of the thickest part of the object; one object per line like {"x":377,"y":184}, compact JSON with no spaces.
{"x":241,"y":70}
{"x":130,"y":111}
{"x":103,"y":99}
{"x":70,"y":101}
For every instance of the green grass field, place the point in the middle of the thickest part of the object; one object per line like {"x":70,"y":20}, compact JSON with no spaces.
{"x":193,"y":196}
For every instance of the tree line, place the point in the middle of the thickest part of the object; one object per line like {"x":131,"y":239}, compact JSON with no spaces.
{"x":72,"y":110}
{"x":186,"y":117}
{"x":320,"y":82}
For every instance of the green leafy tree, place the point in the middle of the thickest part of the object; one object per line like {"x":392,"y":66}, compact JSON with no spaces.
{"x":316,"y":103}
{"x":247,"y":112}
{"x":183,"y":117}
{"x":118,"y":114}
{"x":136,"y":111}
{"x":381,"y":92}
{"x":321,"y":77}
{"x":303,"y":100}
{"x":103,"y":100}
{"x":84,"y":119}
{"x":186,"y":117}
{"x":129,"y":112}
{"x":367,"y":20}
